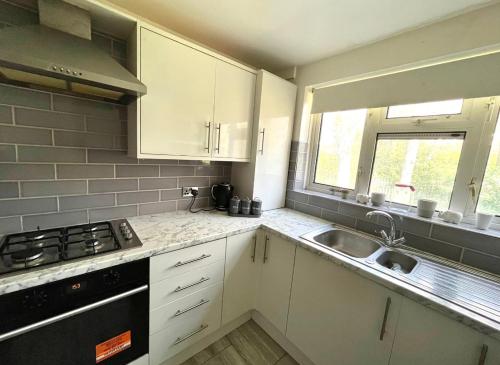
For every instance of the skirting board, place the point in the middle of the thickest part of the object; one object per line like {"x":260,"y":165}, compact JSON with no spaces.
{"x":281,"y":339}
{"x":207,"y":341}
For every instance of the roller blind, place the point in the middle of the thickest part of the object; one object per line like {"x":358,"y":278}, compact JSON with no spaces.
{"x":468,"y":78}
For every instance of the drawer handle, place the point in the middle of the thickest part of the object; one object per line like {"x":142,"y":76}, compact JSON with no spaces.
{"x":182,"y":311}
{"x":254,"y":248}
{"x":181,"y":288}
{"x":386,"y":315}
{"x":265,"y":249}
{"x":484,"y":353}
{"x":209,"y":127}
{"x":202,"y":257}
{"x":189,"y":335}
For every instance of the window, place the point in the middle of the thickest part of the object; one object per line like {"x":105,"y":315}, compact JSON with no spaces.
{"x":339,"y":148}
{"x":427,"y":161}
{"x":447,"y":107}
{"x":489,"y":199}
{"x":442,"y":156}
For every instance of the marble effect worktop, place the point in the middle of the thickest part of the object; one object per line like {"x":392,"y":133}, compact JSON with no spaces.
{"x":162,"y":233}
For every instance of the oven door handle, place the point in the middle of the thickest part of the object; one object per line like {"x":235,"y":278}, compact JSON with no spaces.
{"x":71,"y":313}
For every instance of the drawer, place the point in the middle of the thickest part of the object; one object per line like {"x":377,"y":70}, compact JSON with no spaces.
{"x":184,"y":260}
{"x":208,"y":300}
{"x":176,"y":287}
{"x":170,"y":341}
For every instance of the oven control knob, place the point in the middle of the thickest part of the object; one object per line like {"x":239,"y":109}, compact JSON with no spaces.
{"x":112,"y":277}
{"x":123,"y":225}
{"x":127,"y":235}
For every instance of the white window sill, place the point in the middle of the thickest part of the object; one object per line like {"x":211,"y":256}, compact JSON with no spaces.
{"x":493,"y":231}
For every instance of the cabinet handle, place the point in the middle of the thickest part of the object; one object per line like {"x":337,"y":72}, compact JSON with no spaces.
{"x":386,"y":315}
{"x":209,"y":127}
{"x":218,"y":138}
{"x":265,"y":249}
{"x":181,"y":263}
{"x":189,"y":335}
{"x":181,"y":288}
{"x":182,"y":311}
{"x":254,"y":248}
{"x":263,"y":132}
{"x":482,"y":357}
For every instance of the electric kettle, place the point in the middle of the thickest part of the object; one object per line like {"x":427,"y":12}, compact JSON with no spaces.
{"x":222,"y":193}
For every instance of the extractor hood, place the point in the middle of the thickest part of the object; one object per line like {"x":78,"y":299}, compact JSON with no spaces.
{"x":43,"y":57}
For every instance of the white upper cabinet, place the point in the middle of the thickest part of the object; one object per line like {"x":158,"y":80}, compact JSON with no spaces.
{"x":197,"y":106}
{"x":339,"y":317}
{"x":233,"y":117}
{"x":426,"y":337}
{"x":179,"y":105}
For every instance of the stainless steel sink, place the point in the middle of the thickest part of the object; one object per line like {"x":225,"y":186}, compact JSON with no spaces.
{"x":397,"y":261}
{"x":343,"y":240}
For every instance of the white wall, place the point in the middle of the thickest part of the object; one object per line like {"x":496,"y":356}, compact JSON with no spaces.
{"x":474,"y":30}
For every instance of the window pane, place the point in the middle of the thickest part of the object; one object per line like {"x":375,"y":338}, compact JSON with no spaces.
{"x":339,"y":148}
{"x":425,"y":109}
{"x":428,"y":163}
{"x":489,"y":199}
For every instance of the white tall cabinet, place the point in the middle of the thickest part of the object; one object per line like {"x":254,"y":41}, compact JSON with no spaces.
{"x":265,"y":176}
{"x":199,"y":105}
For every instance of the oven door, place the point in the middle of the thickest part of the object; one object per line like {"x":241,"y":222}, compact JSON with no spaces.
{"x":113,"y":331}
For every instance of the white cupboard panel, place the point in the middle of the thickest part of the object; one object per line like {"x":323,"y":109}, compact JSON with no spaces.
{"x":179,"y":103}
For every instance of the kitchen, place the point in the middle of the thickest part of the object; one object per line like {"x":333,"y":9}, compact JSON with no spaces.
{"x":178,"y":185}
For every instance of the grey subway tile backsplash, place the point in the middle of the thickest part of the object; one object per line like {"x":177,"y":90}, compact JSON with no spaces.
{"x":435,"y":247}
{"x":155,"y":208}
{"x":82,"y":139}
{"x":481,"y":261}
{"x":468,"y":239}
{"x":111,"y":185}
{"x":50,"y":154}
{"x":24,"y":97}
{"x":11,"y":207}
{"x":25,"y":135}
{"x":194,"y":181}
{"x":324,"y":203}
{"x":5,"y":114}
{"x":7,"y":153}
{"x":10,"y":225}
{"x":137,"y":170}
{"x":112,"y":213}
{"x":157,"y":183}
{"x":110,"y":156}
{"x":98,"y":125}
{"x":86,"y":201}
{"x":26,"y":171}
{"x":337,"y":218}
{"x":172,"y":194}
{"x":209,"y":170}
{"x":53,"y":188}
{"x":9,"y":190}
{"x":308,"y":209}
{"x":297,"y":196}
{"x":138,"y":197}
{"x":49,"y":119}
{"x":32,"y":222}
{"x":88,"y":107}
{"x":166,"y":170}
{"x":73,"y":171}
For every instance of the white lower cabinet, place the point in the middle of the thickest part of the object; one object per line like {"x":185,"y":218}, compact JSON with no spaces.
{"x":339,"y":317}
{"x":426,"y":337}
{"x":143,"y":360}
{"x":241,"y":275}
{"x":273,"y":294}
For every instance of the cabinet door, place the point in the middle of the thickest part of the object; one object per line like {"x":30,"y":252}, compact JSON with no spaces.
{"x":426,"y":337}
{"x":179,"y":104}
{"x":234,"y":102}
{"x":275,"y":280}
{"x":276,"y":110}
{"x":339,"y":317}
{"x":241,"y":275}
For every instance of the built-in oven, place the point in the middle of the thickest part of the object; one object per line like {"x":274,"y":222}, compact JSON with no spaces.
{"x":101,"y":317}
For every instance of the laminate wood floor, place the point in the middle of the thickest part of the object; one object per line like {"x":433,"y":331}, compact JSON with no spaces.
{"x":246,"y":345}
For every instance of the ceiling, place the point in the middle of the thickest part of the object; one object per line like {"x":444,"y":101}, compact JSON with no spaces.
{"x":275,"y":34}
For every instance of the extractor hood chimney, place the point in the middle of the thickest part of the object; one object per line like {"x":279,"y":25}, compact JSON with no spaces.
{"x":58,"y":55}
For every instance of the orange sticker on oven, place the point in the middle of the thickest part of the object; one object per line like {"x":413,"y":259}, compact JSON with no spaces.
{"x":111,"y":347}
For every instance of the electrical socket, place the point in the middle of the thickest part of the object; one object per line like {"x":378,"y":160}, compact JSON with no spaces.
{"x":188,"y":191}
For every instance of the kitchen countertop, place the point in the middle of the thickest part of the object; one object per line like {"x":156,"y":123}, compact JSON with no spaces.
{"x":161,"y":233}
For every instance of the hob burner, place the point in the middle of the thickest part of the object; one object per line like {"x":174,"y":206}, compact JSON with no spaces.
{"x":27,"y":255}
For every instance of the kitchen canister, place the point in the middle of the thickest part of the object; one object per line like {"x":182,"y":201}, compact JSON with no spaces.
{"x":234,"y":205}
{"x":256,"y":206}
{"x":245,"y":206}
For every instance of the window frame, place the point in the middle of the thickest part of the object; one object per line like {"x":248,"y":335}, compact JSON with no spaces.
{"x":477,"y":121}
